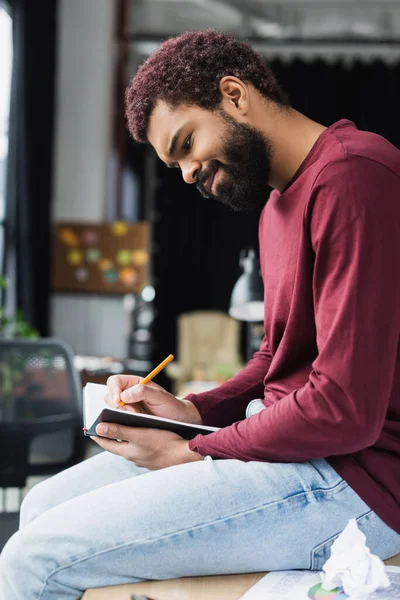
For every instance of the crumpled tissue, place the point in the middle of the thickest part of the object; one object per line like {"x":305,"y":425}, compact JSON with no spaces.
{"x":352,"y":566}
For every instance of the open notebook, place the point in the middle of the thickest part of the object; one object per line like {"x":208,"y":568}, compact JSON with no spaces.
{"x":95,"y":411}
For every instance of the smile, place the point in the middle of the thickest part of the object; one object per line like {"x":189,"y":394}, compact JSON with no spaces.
{"x":210,"y":181}
{"x":215,"y":181}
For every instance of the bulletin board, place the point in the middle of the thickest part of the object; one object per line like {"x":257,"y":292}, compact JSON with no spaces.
{"x":101,"y":257}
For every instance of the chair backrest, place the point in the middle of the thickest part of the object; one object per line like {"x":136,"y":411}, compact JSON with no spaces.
{"x":40,"y":409}
{"x":207,"y":338}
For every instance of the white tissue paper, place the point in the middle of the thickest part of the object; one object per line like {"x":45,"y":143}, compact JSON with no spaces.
{"x":352,"y":566}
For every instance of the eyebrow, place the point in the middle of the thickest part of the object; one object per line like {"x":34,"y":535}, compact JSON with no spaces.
{"x":174,"y":141}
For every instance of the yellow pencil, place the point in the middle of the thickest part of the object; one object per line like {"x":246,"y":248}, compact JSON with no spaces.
{"x":153,"y":373}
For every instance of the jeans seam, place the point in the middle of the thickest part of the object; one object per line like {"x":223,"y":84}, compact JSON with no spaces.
{"x":332,"y":537}
{"x":327,"y":492}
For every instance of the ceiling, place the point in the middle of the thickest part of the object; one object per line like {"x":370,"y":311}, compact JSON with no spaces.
{"x":345,"y":28}
{"x":267,"y":19}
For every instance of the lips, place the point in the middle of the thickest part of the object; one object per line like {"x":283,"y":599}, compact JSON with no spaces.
{"x":209,"y":183}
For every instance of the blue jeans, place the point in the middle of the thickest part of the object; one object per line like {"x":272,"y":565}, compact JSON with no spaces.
{"x":106,"y":521}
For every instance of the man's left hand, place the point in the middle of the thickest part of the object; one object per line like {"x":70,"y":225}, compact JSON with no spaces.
{"x":150,"y":448}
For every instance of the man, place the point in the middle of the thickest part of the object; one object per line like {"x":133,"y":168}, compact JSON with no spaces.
{"x":310,"y":429}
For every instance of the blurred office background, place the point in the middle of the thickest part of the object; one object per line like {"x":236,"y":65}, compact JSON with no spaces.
{"x":100,"y":244}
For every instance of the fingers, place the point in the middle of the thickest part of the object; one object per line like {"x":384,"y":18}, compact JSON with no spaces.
{"x":111,"y":400}
{"x":141,"y":393}
{"x":113,"y":431}
{"x":114,"y":446}
{"x":117,"y":384}
{"x":133,"y":394}
{"x":116,"y":434}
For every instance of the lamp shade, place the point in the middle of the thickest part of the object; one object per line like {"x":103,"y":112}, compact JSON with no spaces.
{"x":247,"y":299}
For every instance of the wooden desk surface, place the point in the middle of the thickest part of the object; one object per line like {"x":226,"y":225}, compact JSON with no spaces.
{"x":221,"y":587}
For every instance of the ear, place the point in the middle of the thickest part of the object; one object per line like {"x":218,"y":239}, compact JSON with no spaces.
{"x":235,"y":95}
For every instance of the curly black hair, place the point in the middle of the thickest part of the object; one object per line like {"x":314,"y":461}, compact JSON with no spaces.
{"x":187,"y":69}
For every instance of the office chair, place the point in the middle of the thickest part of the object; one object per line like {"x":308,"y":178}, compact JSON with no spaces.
{"x":40,"y":410}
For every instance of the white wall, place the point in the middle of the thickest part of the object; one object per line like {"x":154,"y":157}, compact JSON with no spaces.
{"x":85,"y":77}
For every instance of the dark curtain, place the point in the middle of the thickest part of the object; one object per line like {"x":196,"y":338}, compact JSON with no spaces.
{"x":196,"y":262}
{"x":367,"y":93}
{"x":29,"y":169}
{"x":198,"y":241}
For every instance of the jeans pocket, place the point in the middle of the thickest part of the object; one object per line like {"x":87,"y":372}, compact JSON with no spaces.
{"x":321,"y":552}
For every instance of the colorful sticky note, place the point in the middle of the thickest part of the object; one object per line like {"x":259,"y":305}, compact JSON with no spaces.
{"x":89,"y":237}
{"x":68,"y":237}
{"x":119,"y":228}
{"x":124,"y":257}
{"x":140,"y":257}
{"x":110,"y":275}
{"x":93,"y":255}
{"x":128,"y":276}
{"x":74,"y":257}
{"x":105,"y":264}
{"x":82,"y":274}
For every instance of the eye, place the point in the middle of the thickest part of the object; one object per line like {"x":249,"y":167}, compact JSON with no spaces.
{"x":187,"y":144}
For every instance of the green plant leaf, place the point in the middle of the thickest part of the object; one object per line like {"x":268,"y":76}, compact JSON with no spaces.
{"x":14,"y":326}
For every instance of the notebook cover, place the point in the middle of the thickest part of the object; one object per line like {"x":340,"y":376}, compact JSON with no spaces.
{"x":185,"y":430}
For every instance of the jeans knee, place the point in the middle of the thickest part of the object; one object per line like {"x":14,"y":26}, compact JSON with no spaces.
{"x":24,"y":565}
{"x":10,"y":569}
{"x":36,"y":502}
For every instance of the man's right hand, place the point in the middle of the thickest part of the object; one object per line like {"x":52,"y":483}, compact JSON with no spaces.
{"x":150,"y":398}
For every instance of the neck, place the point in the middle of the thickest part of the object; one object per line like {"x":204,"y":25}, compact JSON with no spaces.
{"x":292,"y":136}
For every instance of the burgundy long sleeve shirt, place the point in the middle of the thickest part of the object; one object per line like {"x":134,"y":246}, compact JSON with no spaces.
{"x":328,"y":369}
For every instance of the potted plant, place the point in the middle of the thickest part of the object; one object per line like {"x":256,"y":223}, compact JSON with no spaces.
{"x":12,"y":370}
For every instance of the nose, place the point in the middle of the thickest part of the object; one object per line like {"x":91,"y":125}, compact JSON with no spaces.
{"x":190,"y":172}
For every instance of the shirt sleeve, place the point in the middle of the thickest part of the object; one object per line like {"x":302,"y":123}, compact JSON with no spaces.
{"x":353,"y":219}
{"x":227,"y":403}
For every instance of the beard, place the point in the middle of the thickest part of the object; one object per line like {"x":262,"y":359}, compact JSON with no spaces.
{"x":244,"y":184}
